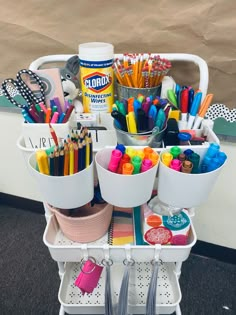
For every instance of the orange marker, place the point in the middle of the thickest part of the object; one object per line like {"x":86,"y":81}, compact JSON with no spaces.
{"x":127,"y":169}
{"x":48,"y":116}
{"x":154,"y":157}
{"x":147,"y":151}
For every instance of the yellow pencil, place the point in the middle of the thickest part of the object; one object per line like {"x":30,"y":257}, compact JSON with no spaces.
{"x":71,"y":167}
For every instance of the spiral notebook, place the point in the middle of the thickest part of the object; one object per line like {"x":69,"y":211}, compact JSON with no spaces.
{"x":121,"y":230}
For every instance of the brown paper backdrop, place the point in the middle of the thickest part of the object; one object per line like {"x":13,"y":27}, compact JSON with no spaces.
{"x":30,"y":29}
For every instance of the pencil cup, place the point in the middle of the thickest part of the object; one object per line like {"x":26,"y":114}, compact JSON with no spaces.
{"x":123,"y":190}
{"x":87,"y":224}
{"x":140,"y":139}
{"x":37,"y":136}
{"x":185,"y":190}
{"x":65,"y":192}
{"x":125,"y":92}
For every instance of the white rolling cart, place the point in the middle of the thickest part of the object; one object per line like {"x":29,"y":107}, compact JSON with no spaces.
{"x":68,"y":254}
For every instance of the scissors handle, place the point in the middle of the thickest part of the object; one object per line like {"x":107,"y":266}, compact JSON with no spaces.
{"x":26,"y":91}
{"x":23,"y":89}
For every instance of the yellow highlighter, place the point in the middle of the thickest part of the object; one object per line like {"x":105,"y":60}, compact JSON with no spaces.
{"x":42,"y":161}
{"x":166,"y":158}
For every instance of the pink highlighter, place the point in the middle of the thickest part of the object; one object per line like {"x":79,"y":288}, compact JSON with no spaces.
{"x":146,"y":165}
{"x":116,"y":156}
{"x":175,"y":164}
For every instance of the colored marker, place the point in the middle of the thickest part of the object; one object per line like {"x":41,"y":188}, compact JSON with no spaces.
{"x":186,"y":167}
{"x":166,"y":158}
{"x":175,"y":165}
{"x":175,"y":151}
{"x":136,"y":162}
{"x":146,"y":165}
{"x":127,"y":169}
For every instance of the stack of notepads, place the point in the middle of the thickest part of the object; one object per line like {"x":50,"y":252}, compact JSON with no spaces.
{"x":121,"y":229}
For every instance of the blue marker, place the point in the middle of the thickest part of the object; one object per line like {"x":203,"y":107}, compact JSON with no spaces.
{"x":194,"y":109}
{"x":121,"y":148}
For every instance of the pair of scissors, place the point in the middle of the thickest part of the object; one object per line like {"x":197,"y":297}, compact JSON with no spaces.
{"x":20,"y":85}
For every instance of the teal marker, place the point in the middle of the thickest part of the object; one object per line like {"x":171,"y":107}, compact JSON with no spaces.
{"x":195,"y":159}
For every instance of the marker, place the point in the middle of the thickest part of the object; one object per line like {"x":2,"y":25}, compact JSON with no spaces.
{"x":147,"y":151}
{"x":175,"y":151}
{"x":186,"y":167}
{"x":130,"y":151}
{"x":154,"y":157}
{"x":175,"y":165}
{"x":125,"y":159}
{"x":202,"y":110}
{"x":195,"y":159}
{"x":115,"y":158}
{"x":127,"y":169}
{"x":136,"y":162}
{"x":166,"y":158}
{"x":140,"y":153}
{"x":194,"y":109}
{"x":182,"y":157}
{"x":146,"y":165}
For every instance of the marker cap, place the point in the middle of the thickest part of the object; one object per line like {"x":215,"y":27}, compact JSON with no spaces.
{"x":187,"y":167}
{"x":127,"y":169}
{"x":175,"y":151}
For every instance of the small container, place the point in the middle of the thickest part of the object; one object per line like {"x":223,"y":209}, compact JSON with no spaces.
{"x":65,"y":192}
{"x":96,"y":60}
{"x":123,"y":190}
{"x":125,"y":92}
{"x":38,"y":136}
{"x":89,"y":224}
{"x":140,"y":139}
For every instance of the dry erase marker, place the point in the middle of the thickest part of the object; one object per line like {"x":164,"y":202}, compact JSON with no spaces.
{"x":186,"y":167}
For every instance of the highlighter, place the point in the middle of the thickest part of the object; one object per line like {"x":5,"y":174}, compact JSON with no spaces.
{"x":136,"y":162}
{"x":115,"y":158}
{"x":140,"y":153}
{"x":130,"y":151}
{"x":42,"y":161}
{"x":147,"y":151}
{"x":175,"y":151}
{"x":121,"y":147}
{"x":146,"y":165}
{"x":186,"y":167}
{"x":125,"y":159}
{"x":127,"y":169}
{"x":166,"y":158}
{"x":154,"y":157}
{"x":175,"y":165}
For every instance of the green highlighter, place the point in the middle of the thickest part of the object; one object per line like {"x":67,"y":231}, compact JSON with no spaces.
{"x":136,"y":161}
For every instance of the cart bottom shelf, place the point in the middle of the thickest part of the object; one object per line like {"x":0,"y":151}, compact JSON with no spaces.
{"x":168,"y":290}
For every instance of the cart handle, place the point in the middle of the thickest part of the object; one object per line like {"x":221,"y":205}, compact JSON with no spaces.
{"x":201,"y":63}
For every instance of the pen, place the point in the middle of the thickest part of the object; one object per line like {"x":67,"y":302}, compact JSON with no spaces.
{"x":184,"y":104}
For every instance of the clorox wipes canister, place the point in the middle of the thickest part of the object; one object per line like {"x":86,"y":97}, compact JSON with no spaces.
{"x":96,"y":75}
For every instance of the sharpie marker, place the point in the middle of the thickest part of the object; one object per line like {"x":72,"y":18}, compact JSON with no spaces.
{"x":194,"y":109}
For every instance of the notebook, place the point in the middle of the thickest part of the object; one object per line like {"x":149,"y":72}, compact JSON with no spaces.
{"x":121,"y":230}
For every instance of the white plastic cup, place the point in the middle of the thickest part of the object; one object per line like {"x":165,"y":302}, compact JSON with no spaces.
{"x":26,"y":152}
{"x":185,"y":190}
{"x":123,"y":190}
{"x":38,"y":136}
{"x":65,"y":192}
